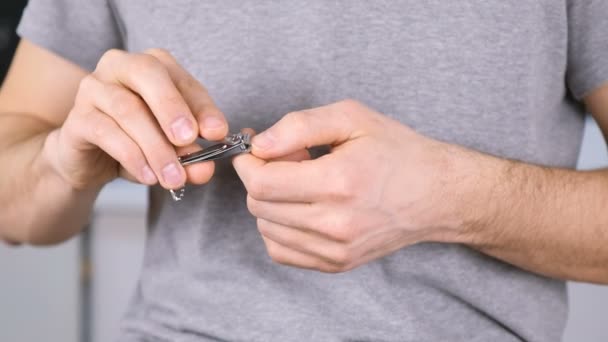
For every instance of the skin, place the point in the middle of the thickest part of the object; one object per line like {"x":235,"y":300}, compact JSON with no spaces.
{"x":382,"y":187}
{"x":129,"y":118}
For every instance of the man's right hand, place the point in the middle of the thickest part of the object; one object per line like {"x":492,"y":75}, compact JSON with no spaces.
{"x":131,"y":118}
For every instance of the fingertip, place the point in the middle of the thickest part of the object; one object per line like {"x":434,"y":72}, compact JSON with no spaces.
{"x":212,"y":134}
{"x":249,"y":131}
{"x":213,"y":126}
{"x":240,"y":160}
{"x":246,"y":162}
{"x":183,"y":131}
{"x":260,"y":153}
{"x":264,"y":141}
{"x":267,"y":154}
{"x":261,"y":148}
{"x":172,"y":175}
{"x":200,"y":173}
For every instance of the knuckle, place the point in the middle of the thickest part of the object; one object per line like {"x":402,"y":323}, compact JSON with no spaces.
{"x":350,"y":104}
{"x":348,"y":110}
{"x":145,"y":64}
{"x":86,"y":84}
{"x":112,"y":54}
{"x":297,"y":120}
{"x":275,"y":253}
{"x":109,"y":57}
{"x":159,"y":53}
{"x":341,"y":228}
{"x":253,"y":207}
{"x":261,"y":226}
{"x":279,"y":259}
{"x":329,"y":268}
{"x":341,"y":256}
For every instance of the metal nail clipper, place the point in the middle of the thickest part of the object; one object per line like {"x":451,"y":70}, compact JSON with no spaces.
{"x":232,"y":145}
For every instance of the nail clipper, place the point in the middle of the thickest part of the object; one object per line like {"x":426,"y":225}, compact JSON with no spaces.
{"x":232,"y":145}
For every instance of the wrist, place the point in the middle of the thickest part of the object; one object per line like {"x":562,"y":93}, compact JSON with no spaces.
{"x":60,"y":209}
{"x":469,"y":182}
{"x":51,"y":168}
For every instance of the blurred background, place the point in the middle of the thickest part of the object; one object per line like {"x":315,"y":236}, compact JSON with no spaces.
{"x":10,"y":12}
{"x":78,"y":291}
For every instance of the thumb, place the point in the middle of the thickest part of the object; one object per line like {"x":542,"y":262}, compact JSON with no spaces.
{"x":328,"y":125}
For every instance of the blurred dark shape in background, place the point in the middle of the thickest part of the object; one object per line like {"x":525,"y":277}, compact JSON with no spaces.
{"x":10,"y":13}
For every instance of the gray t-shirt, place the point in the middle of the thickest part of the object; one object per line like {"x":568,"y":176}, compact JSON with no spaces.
{"x":502,"y":77}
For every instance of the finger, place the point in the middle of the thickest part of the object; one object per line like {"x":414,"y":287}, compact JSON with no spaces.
{"x":303,"y":181}
{"x":105,"y":133}
{"x":149,"y":78}
{"x":304,"y":216}
{"x":211,"y":121}
{"x":327,"y":125}
{"x":197,"y":173}
{"x":134,"y":117}
{"x":295,"y":156}
{"x":324,"y":220}
{"x":249,"y":131}
{"x":123,"y":173}
{"x":289,"y":257}
{"x":306,"y":242}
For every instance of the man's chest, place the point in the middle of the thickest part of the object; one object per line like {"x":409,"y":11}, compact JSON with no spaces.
{"x":451,"y":69}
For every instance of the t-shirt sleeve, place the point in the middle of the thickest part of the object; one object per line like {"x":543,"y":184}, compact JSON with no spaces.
{"x":79,"y":31}
{"x":587,"y":46}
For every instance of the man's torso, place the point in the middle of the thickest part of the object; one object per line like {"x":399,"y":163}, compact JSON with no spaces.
{"x":488,"y":75}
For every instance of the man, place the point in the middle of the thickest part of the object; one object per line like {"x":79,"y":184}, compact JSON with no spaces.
{"x":446,"y":210}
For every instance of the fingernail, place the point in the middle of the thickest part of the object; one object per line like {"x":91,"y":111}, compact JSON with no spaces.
{"x":172,"y":175}
{"x":213,"y":122}
{"x":263,"y":140}
{"x":182,"y":129}
{"x":148,"y":175}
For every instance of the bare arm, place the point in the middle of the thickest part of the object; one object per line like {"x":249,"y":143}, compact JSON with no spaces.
{"x":34,"y":100}
{"x":549,"y":221}
{"x":64,"y":133}
{"x":384,"y":187}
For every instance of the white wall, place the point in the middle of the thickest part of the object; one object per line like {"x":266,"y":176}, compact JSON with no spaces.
{"x":118,"y":243}
{"x":39,"y":293}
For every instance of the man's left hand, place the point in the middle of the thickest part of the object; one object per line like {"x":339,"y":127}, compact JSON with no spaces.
{"x":382,"y":187}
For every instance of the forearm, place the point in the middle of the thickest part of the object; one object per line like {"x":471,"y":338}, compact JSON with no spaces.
{"x":39,"y":207}
{"x":546,"y":220}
